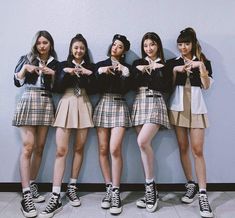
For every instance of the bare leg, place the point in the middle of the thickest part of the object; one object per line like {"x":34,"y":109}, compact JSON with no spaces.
{"x":116,"y":138}
{"x":103,"y":140}
{"x":197,"y":140}
{"x":78,"y":148}
{"x":144,"y":139}
{"x":38,"y":151}
{"x":183,"y":143}
{"x":62,"y":142}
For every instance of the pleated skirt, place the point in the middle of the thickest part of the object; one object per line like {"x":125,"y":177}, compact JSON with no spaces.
{"x":149,"y":107}
{"x":74,"y":112}
{"x":112,"y":111}
{"x":35,"y":108}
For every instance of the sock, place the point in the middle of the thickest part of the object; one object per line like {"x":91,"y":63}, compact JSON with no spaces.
{"x":202,"y":190}
{"x":115,"y":187}
{"x":149,"y":180}
{"x":56,"y":189}
{"x":72,"y":181}
{"x":31,"y":181}
{"x":25,"y":189}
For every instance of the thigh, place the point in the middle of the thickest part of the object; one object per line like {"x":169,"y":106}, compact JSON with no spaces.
{"x":197,"y":138}
{"x":182,"y":135}
{"x":62,"y":137}
{"x":138,"y":129}
{"x":81,"y":136}
{"x":117,"y":135}
{"x":103,"y":137}
{"x":28,"y":135}
{"x":41,"y":135}
{"x":148,"y":131}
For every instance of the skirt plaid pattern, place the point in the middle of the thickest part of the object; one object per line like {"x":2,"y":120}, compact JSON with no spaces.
{"x":74,"y":112}
{"x":149,"y":107}
{"x":35,"y":108}
{"x":112,"y":111}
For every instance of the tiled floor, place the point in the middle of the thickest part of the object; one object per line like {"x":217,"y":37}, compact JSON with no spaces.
{"x":223,"y":205}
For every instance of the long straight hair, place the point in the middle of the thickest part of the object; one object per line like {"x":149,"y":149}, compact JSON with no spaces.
{"x":155,"y":38}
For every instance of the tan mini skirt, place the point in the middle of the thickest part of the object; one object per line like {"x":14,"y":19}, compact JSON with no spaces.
{"x":74,"y":112}
{"x":186,"y":118}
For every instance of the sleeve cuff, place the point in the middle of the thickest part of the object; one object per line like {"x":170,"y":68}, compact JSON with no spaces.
{"x":21,"y":81}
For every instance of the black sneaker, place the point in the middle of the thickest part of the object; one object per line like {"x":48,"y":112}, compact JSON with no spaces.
{"x":191,"y":191}
{"x":72,"y":195}
{"x":205,"y":209}
{"x":105,"y":203}
{"x":54,"y":205}
{"x":37,"y":198}
{"x":116,"y":204}
{"x":151,"y":196}
{"x":141,"y":203}
{"x":27,"y":206}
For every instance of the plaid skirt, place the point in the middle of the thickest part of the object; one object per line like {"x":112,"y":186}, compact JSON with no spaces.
{"x":112,"y":111}
{"x":35,"y":108}
{"x":185,"y":118}
{"x":149,"y":107}
{"x":74,"y":111}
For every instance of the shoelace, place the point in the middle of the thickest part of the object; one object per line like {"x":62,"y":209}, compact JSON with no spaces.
{"x":107,"y":196}
{"x":190,"y":190}
{"x":52,"y":203}
{"x":115,"y":198}
{"x":204,"y":202}
{"x":149,"y":193}
{"x":34,"y":190}
{"x":72,"y":192}
{"x":29,"y":202}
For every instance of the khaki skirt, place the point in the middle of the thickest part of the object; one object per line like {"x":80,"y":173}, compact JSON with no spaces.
{"x":74,"y":112}
{"x":112,"y":111}
{"x":149,"y":107}
{"x":186,"y":118}
{"x":35,"y":108}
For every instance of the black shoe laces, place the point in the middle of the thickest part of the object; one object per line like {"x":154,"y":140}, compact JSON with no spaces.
{"x":28,"y":202}
{"x":72,"y":193}
{"x":52,"y":204}
{"x":203,"y":200}
{"x":190,"y":190}
{"x":107,"y":196}
{"x":115,"y":198}
{"x":150,"y":193}
{"x":34,"y":190}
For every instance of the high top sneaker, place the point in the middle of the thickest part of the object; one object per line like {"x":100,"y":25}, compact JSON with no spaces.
{"x":54,"y":205}
{"x":151,"y":196}
{"x":141,"y":203}
{"x":116,"y":204}
{"x":105,"y":204}
{"x":72,"y":195}
{"x":191,"y":191}
{"x":27,"y":206}
{"x":205,"y":209}
{"x":37,"y":198}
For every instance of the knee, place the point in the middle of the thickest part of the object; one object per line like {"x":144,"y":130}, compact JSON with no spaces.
{"x":115,"y":152}
{"x":61,"y":152}
{"x":103,"y":150}
{"x":197,"y":152}
{"x":142,"y":143}
{"x":38,"y":151}
{"x":183,"y":148}
{"x":78,"y":149}
{"x":27,"y":151}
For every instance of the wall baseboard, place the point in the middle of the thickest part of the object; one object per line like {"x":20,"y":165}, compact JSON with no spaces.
{"x":99,"y":187}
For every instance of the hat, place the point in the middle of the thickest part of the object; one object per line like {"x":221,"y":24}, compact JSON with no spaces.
{"x":123,"y":39}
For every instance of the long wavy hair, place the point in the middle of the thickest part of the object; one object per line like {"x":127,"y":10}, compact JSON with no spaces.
{"x":154,"y":37}
{"x":34,"y":52}
{"x":79,"y":38}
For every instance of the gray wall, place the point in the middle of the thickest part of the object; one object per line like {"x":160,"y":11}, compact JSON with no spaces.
{"x":98,"y":21}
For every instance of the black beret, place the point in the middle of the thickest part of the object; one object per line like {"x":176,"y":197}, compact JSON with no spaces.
{"x":123,"y":39}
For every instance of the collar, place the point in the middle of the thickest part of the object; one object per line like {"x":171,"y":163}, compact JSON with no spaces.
{"x":151,"y":61}
{"x":76,"y":64}
{"x":50,"y":59}
{"x":194,"y":57}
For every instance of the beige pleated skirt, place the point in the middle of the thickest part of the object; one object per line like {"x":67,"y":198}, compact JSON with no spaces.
{"x":186,"y":118}
{"x":74,"y":112}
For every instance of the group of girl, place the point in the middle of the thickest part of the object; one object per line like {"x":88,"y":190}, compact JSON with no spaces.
{"x":151,"y":77}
